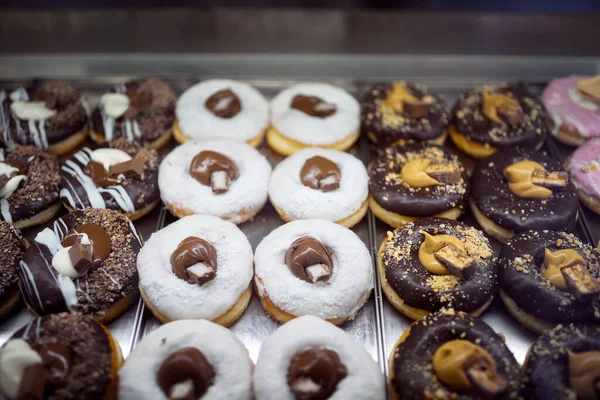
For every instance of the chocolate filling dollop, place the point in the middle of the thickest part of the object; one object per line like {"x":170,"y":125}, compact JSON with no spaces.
{"x":308,"y":259}
{"x":185,"y":375}
{"x":101,"y":246}
{"x":320,"y":173}
{"x":584,"y":374}
{"x":314,"y":373}
{"x":313,"y":106}
{"x":195,"y":261}
{"x":214,"y":169}
{"x":224,"y":104}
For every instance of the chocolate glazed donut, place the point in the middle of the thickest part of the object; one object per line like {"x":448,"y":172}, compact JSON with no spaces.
{"x":384,"y":126}
{"x":391,"y":193}
{"x":522,"y":280}
{"x":69,"y":118}
{"x":564,"y":364}
{"x":418,"y":287}
{"x":106,"y":289}
{"x":411,"y":362}
{"x":469,"y":119}
{"x":495,"y":200}
{"x":12,"y":249}
{"x":150,"y":114}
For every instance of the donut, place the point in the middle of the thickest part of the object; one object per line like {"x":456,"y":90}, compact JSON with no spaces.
{"x":549,"y":278}
{"x":320,"y":184}
{"x":225,"y":178}
{"x":311,"y":359}
{"x":199,"y":267}
{"x":573,"y":105}
{"x":140,"y":110}
{"x":12,"y":248}
{"x":491,"y":118}
{"x":51,"y":115}
{"x":564,"y":363}
{"x":187,"y":360}
{"x":313,"y":115}
{"x":312,"y":267}
{"x":118,"y":175}
{"x":29,"y":186}
{"x":452,"y":355}
{"x":222,"y":109}
{"x":403,"y":111}
{"x":435,"y":263}
{"x":86,"y":263}
{"x":66,"y":356}
{"x":416,"y":180}
{"x":517,"y":190}
{"x":584,"y":169}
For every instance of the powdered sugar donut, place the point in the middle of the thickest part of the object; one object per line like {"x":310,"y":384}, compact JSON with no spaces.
{"x":224,"y":178}
{"x":320,"y":183}
{"x":308,"y":358}
{"x":584,"y":168}
{"x":196,"y":358}
{"x":313,"y":115}
{"x":576,"y":115}
{"x":199,"y":267}
{"x":221,"y":109}
{"x":313,"y":267}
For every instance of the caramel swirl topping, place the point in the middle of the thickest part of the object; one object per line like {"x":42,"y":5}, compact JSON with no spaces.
{"x":314,"y":373}
{"x":530,"y":180}
{"x":313,"y":106}
{"x":100,"y":241}
{"x":445,"y":254}
{"x":309,"y":260}
{"x":584,"y":374}
{"x":466,"y":367}
{"x":502,"y":109}
{"x":195,"y":261}
{"x":590,"y":87}
{"x":322,"y":174}
{"x":224,"y":104}
{"x":214,"y":169}
{"x":185,"y":375}
{"x":403,"y":102}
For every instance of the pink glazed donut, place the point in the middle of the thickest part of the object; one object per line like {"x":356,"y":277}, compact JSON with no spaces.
{"x":584,"y":168}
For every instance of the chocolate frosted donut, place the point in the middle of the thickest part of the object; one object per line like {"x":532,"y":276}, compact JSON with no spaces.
{"x":129,"y":185}
{"x":86,"y":263}
{"x":534,"y":287}
{"x":67,"y":356}
{"x":199,"y":359}
{"x":517,"y":190}
{"x":491,"y":118}
{"x":140,"y":110}
{"x":50,"y":115}
{"x":416,"y":180}
{"x":565,"y":364}
{"x":310,"y":359}
{"x":451,"y":355}
{"x":402,"y":111}
{"x":437,"y":262}
{"x":12,"y":249}
{"x":29,"y":186}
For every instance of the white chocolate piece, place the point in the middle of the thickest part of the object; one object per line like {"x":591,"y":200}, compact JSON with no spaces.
{"x":10,"y":186}
{"x":219,"y":181}
{"x":316,"y":271}
{"x":32,"y":110}
{"x":61,"y":262}
{"x":109,"y":157}
{"x":114,"y":104}
{"x":181,"y":390}
{"x":16,"y":356}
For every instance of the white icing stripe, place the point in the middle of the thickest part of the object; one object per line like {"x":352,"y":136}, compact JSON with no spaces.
{"x":135,"y":233}
{"x":128,"y":129}
{"x":67,"y":287}
{"x":1,"y":154}
{"x":29,"y":284}
{"x":109,"y":125}
{"x":88,"y":110}
{"x":19,"y":94}
{"x":35,"y":135}
{"x":66,"y":195}
{"x":43,"y":136}
{"x":136,"y":129}
{"x":5,"y":209}
{"x":82,"y":157}
{"x":120,"y":196}
{"x":50,"y":239}
{"x":4,"y":121}
{"x":94,"y":196}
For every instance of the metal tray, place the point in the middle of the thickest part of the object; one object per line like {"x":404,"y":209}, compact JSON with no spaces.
{"x":378,"y":325}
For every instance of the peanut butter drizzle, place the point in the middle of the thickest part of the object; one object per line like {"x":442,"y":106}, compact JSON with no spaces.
{"x":450,"y":361}
{"x":398,"y":96}
{"x":492,"y":102}
{"x":584,"y":374}
{"x":519,"y":180}
{"x":430,"y":245}
{"x":414,"y":175}
{"x":554,"y":261}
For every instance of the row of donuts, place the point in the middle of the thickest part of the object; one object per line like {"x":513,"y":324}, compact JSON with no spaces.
{"x":445,"y":355}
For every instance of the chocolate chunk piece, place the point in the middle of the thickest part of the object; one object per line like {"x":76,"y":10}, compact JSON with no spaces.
{"x":458,"y":263}
{"x":484,"y":377}
{"x":81,"y":258}
{"x":416,"y":109}
{"x":224,"y":104}
{"x":206,"y":163}
{"x":130,"y":113}
{"x":33,"y":383}
{"x":445,"y":173}
{"x":185,"y":374}
{"x":313,"y":106}
{"x":511,"y":113}
{"x":101,"y":244}
{"x":550,"y":180}
{"x":320,"y":173}
{"x":314,"y":373}
{"x":133,"y":168}
{"x":51,"y":102}
{"x":99,"y":175}
{"x":580,"y":282}
{"x":309,"y":260}
{"x":194,"y":261}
